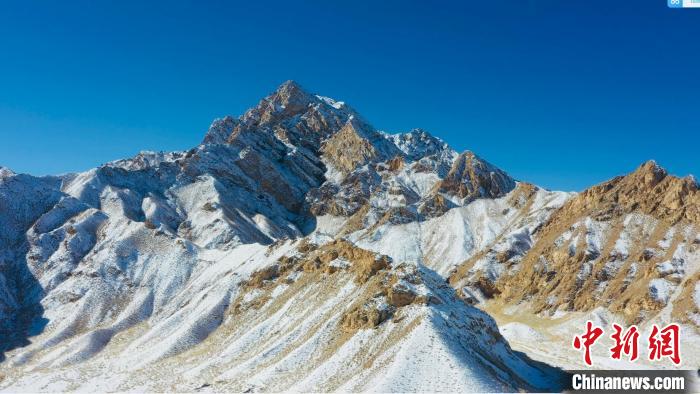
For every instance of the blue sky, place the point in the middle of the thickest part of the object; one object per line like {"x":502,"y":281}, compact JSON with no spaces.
{"x":561,"y":93}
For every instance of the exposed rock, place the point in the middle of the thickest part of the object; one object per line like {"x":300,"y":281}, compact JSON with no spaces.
{"x":585,"y":253}
{"x":161,"y":249}
{"x":369,"y":315}
{"x":220,"y":130}
{"x":401,"y":296}
{"x":434,"y":206}
{"x":471,"y":177}
{"x":396,"y":163}
{"x":258,"y":278}
{"x":348,"y":149}
{"x":418,"y":144}
{"x":648,"y":190}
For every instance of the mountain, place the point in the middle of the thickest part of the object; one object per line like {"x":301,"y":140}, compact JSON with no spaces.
{"x":297,"y":247}
{"x":630,"y":245}
{"x":626,"y":251}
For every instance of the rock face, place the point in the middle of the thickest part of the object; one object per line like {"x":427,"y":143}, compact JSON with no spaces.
{"x":22,"y":202}
{"x":648,"y":190}
{"x":626,"y":245}
{"x":355,"y":145}
{"x":297,"y":246}
{"x":471,"y":178}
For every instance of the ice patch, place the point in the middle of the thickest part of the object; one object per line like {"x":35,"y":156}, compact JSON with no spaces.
{"x":520,"y":332}
{"x":339,"y":263}
{"x":660,"y":290}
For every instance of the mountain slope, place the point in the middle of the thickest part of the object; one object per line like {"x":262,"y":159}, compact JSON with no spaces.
{"x":297,"y":246}
{"x":631,"y":245}
{"x":147,"y":264}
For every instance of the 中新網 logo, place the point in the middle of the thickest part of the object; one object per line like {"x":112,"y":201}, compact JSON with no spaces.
{"x":662,"y":342}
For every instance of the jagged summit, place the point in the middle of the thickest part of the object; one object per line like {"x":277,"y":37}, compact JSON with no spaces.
{"x":298,"y":230}
{"x":290,"y":85}
{"x":220,"y":130}
{"x":652,"y":173}
{"x":5,"y":172}
{"x":472,"y":177}
{"x":291,"y":98}
{"x":311,"y":129}
{"x":649,"y":189}
{"x":629,"y":246}
{"x":418,"y":143}
{"x":288,"y":101}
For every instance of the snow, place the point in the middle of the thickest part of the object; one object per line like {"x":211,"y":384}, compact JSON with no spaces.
{"x":622,"y":245}
{"x":339,"y":263}
{"x":140,"y":266}
{"x":418,"y":144}
{"x":660,"y":290}
{"x":5,"y":172}
{"x":595,"y":236}
{"x":673,"y":268}
{"x":665,"y":243}
{"x":333,"y":103}
{"x":553,"y":343}
{"x":428,"y":364}
{"x":520,"y":331}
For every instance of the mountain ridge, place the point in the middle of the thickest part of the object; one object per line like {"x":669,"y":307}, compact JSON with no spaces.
{"x":298,"y":229}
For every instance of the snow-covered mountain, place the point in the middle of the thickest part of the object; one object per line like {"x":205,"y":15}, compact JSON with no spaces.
{"x":299,"y":248}
{"x":630,"y":245}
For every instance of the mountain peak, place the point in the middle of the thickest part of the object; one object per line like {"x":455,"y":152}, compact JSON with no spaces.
{"x":418,"y":143}
{"x":472,"y":177}
{"x":287,"y":102}
{"x":220,"y":130}
{"x":5,"y":172}
{"x":650,"y":173}
{"x":649,"y":190}
{"x":292,"y":94}
{"x":290,"y":85}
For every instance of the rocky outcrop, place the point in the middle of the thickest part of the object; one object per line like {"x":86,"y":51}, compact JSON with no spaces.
{"x":471,"y":177}
{"x":272,"y":238}
{"x":649,"y":190}
{"x":347,"y":149}
{"x":625,"y":245}
{"x":295,"y":117}
{"x":220,"y":130}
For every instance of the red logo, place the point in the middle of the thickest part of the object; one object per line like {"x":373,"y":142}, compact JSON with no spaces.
{"x":592,"y":334}
{"x":663,"y":342}
{"x":626,"y":344}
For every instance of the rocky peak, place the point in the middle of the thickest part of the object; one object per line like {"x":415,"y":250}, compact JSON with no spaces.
{"x":623,"y":245}
{"x":357,"y":143}
{"x":651,"y":174}
{"x":220,"y":130}
{"x":418,"y":143}
{"x":304,"y":140}
{"x":291,"y":98}
{"x":290,"y":115}
{"x":472,"y":177}
{"x":349,"y":148}
{"x":5,"y":172}
{"x":649,"y":189}
{"x":324,"y":127}
{"x":287,"y":101}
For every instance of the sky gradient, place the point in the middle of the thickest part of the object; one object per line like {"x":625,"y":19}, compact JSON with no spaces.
{"x":563,"y":94}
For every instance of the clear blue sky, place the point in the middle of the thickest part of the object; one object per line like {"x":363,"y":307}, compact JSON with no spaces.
{"x":561,"y":93}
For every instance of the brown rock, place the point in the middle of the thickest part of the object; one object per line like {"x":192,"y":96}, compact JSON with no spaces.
{"x":471,"y":177}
